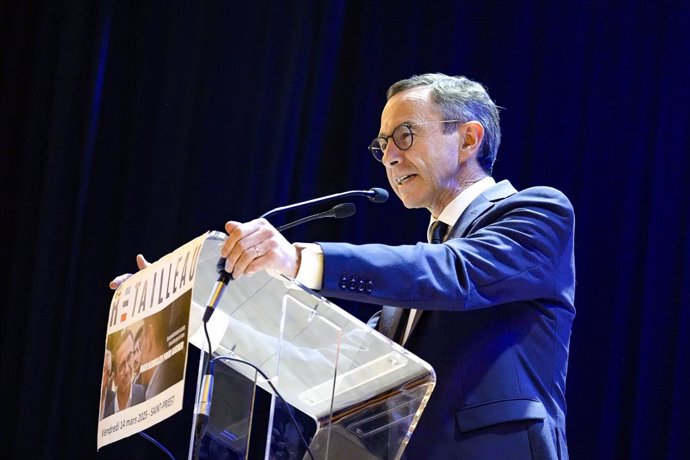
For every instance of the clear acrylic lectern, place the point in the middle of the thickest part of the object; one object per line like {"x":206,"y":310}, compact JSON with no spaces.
{"x":353,"y":393}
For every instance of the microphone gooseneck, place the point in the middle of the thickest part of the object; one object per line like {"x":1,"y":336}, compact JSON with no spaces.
{"x":339,"y":211}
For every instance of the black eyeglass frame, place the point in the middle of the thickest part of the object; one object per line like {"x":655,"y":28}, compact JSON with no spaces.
{"x":377,"y":151}
{"x":126,"y":362}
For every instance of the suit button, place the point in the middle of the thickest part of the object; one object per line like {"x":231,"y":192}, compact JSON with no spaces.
{"x":343,"y":283}
{"x":360,"y":285}
{"x":369,"y":287}
{"x":353,"y":284}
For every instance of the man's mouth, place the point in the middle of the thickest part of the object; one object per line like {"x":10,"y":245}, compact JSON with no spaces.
{"x":402,"y":179}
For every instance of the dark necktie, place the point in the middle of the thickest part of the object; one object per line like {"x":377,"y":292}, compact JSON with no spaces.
{"x":393,"y":322}
{"x":438,"y":232}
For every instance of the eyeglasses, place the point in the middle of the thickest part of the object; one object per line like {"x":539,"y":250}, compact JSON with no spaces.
{"x":402,"y":138}
{"x":126,"y":362}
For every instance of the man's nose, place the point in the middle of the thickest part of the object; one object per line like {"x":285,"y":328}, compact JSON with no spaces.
{"x":392,"y":155}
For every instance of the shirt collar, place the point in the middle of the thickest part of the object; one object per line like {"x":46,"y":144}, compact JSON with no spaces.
{"x":452,"y":212}
{"x":116,"y":407}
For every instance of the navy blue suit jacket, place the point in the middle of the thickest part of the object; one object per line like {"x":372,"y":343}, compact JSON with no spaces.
{"x":498,"y":305}
{"x":138,"y":396}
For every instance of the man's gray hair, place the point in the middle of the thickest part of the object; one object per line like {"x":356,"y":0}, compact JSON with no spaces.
{"x":459,"y":98}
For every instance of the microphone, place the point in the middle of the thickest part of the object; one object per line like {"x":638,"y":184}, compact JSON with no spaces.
{"x":375,"y":195}
{"x":339,"y":211}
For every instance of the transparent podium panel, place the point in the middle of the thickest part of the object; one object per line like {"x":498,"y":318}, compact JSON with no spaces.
{"x":333,"y":387}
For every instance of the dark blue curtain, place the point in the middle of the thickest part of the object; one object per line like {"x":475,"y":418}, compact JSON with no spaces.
{"x":136,"y":126}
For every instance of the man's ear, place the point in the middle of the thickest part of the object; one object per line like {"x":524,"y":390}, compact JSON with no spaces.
{"x":471,"y":136}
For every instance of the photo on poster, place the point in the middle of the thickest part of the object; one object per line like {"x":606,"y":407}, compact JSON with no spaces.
{"x":146,"y":345}
{"x":145,"y":358}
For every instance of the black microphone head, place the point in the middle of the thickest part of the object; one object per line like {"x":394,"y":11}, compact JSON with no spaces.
{"x":344,"y":210}
{"x":378,"y":195}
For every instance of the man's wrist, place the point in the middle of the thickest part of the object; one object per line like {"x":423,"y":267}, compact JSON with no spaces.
{"x":309,"y":265}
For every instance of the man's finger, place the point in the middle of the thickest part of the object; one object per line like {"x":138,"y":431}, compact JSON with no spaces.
{"x":142,"y":263}
{"x":114,"y":284}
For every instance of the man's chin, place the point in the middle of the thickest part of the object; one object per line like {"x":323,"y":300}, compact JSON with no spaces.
{"x":410,"y":203}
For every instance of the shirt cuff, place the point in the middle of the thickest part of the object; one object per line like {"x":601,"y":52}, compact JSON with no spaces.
{"x":310,"y":272}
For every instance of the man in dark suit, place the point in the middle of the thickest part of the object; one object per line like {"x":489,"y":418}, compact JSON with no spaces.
{"x":497,"y":304}
{"x":127,"y":394}
{"x":491,"y":308}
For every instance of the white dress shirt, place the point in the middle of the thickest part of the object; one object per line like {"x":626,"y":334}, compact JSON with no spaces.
{"x":449,"y":216}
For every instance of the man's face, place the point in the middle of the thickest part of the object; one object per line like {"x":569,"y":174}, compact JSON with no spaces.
{"x":123,"y":365}
{"x":427,"y":174}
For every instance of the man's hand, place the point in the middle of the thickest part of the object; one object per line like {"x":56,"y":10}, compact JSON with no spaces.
{"x":141,"y":264}
{"x":256,"y":245}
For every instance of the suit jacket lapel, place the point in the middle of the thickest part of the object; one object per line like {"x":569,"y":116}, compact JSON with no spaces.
{"x":390,"y":317}
{"x":479,"y":206}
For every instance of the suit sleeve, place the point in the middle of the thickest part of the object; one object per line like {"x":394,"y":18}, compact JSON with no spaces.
{"x":520,"y":249}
